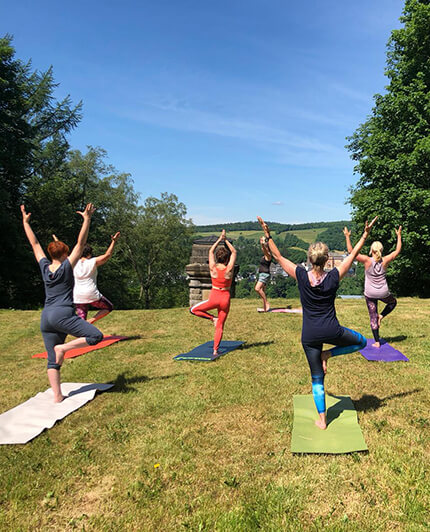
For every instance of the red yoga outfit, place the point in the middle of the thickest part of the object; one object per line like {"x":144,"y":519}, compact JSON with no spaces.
{"x":218,"y":299}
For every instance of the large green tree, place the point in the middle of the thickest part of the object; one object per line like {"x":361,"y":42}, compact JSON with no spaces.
{"x":33,"y":129}
{"x":392,"y":151}
{"x":159,"y":247}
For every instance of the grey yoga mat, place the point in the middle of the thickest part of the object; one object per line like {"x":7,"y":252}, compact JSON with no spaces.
{"x":27,"y":420}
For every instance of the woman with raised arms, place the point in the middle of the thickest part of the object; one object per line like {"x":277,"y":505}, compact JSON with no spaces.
{"x":58,"y":315}
{"x":375,"y":281}
{"x":221,"y":265}
{"x":320,"y":325}
{"x":264,"y":274}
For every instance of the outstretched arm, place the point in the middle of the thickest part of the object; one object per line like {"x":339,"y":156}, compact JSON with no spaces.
{"x":76,"y":253}
{"x":360,"y":258}
{"x":347,"y":261}
{"x":391,"y":256}
{"x":285,"y":264}
{"x":102,"y":259}
{"x":37,"y":248}
{"x":212,"y":261}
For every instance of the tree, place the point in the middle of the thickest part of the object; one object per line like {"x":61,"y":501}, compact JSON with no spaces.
{"x":33,"y":129}
{"x":392,"y":151}
{"x":159,"y":247}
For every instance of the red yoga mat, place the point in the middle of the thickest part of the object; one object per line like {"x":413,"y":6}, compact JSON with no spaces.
{"x":107,"y":340}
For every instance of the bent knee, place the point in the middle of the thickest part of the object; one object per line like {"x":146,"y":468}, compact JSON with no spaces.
{"x":95,"y":339}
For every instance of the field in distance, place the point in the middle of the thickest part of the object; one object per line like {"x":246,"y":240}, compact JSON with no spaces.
{"x":308,"y":235}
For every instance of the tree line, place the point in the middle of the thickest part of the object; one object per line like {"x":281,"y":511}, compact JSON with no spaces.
{"x":38,"y":168}
{"x":276,"y":227}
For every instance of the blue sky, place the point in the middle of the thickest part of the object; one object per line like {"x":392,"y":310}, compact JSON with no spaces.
{"x":239,"y":108}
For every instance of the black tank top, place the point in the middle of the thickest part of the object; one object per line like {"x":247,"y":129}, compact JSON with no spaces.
{"x":264,"y":265}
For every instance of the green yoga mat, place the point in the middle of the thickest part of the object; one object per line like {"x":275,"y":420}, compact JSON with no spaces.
{"x":342,"y":435}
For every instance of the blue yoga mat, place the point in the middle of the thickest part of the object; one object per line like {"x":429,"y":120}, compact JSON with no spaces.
{"x":204,"y":352}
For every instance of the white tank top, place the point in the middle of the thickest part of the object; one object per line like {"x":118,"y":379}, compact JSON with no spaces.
{"x":85,"y":290}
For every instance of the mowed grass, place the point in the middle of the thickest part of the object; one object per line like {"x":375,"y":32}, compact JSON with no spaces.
{"x":219,"y":431}
{"x":308,"y":235}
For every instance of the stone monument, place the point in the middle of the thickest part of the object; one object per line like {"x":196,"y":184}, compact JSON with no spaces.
{"x":198,"y":270}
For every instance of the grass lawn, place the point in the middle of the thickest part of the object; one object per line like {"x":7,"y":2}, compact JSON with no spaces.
{"x":219,"y":431}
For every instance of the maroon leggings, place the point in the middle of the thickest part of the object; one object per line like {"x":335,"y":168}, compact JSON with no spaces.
{"x":102,"y":304}
{"x":372,"y":306}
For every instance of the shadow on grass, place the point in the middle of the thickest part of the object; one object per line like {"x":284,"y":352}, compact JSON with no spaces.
{"x":389,"y":339}
{"x":256,"y":344}
{"x":122,"y":384}
{"x":370,"y":403}
{"x":134,"y":337}
{"x":333,"y":412}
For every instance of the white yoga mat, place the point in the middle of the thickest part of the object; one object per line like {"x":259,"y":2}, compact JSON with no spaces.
{"x":26,"y":421}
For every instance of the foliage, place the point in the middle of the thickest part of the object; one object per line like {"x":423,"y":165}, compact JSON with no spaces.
{"x":333,"y":236}
{"x":159,"y":247}
{"x":38,"y":168}
{"x":292,"y":240}
{"x":276,"y":227}
{"x":33,"y":126}
{"x":392,"y":151}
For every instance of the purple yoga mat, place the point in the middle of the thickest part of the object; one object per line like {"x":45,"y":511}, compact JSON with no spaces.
{"x":386,"y":352}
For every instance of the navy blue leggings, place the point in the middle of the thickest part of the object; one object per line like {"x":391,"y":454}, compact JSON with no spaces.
{"x":348,"y":342}
{"x":57,"y":323}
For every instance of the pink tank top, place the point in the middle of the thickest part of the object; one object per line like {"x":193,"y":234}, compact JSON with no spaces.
{"x":375,"y":282}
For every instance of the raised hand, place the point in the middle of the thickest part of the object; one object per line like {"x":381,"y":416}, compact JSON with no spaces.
{"x":368,"y":227}
{"x":264,"y":226}
{"x":222,"y":237}
{"x":55,"y":238}
{"x":115,"y":236}
{"x":88,"y":211}
{"x":398,"y":231}
{"x":25,"y":215}
{"x":346,"y":232}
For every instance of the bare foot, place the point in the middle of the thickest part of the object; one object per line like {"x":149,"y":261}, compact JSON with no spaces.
{"x":59,"y":356}
{"x":215,"y":321}
{"x":59,"y":398}
{"x":380,"y":316}
{"x":214,"y":354}
{"x":321,"y":424}
{"x":267,"y":309}
{"x":325,"y":355}
{"x":376,"y":344}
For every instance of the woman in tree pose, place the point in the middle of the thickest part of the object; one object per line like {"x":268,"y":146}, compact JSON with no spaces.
{"x":221,"y":266}
{"x":58,"y":315}
{"x":85,"y":293}
{"x":320,"y":325}
{"x":375,"y":282}
{"x":264,"y":273}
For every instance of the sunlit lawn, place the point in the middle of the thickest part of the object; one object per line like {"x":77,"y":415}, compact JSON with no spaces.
{"x":219,"y":431}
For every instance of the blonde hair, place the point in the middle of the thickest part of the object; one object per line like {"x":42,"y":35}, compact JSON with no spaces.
{"x":376,"y":250}
{"x":318,"y":255}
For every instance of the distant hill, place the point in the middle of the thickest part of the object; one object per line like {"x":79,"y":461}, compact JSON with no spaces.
{"x":329,"y":232}
{"x":274,"y":226}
